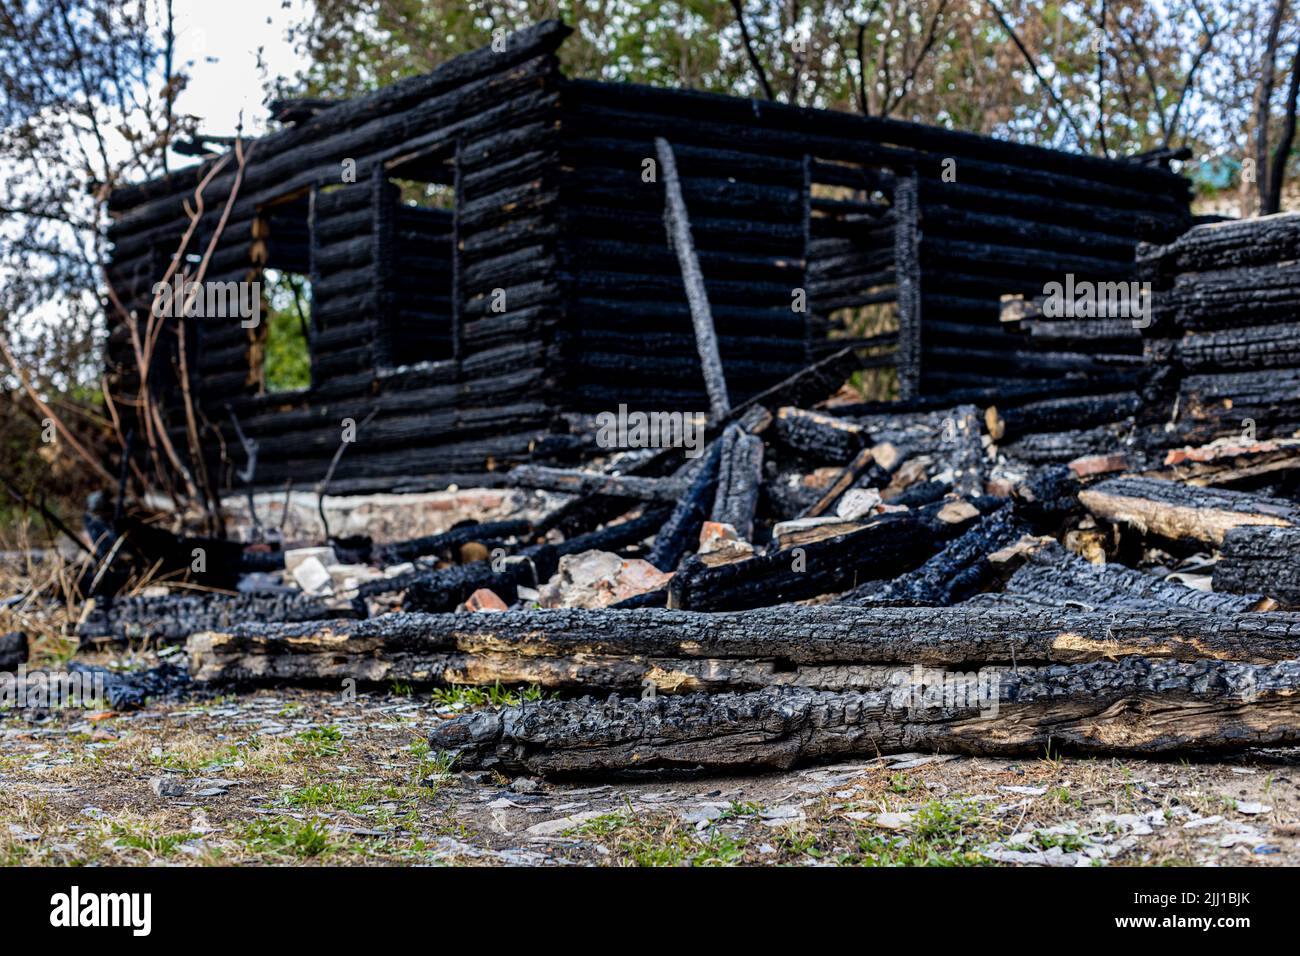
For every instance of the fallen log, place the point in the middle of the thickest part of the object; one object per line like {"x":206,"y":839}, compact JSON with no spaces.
{"x":1176,"y":511}
{"x":175,"y":617}
{"x":1059,"y":414}
{"x":1042,"y":448}
{"x":448,"y":542}
{"x":819,"y":436}
{"x":887,"y":546}
{"x":573,"y":481}
{"x":414,"y":647}
{"x":955,"y":573}
{"x":682,"y":529}
{"x":1054,"y":577}
{"x":740,"y":475}
{"x":1133,"y":706}
{"x":1262,"y":560}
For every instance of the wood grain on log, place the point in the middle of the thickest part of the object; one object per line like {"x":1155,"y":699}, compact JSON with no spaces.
{"x":590,"y":482}
{"x":1054,"y":577}
{"x":1262,"y":560}
{"x":418,"y":647}
{"x":1177,"y":511}
{"x":1134,"y":706}
{"x":740,"y":475}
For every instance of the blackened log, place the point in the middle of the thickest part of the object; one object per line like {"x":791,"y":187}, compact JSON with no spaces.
{"x":682,"y":528}
{"x":740,"y":473}
{"x":397,"y":552}
{"x":214,"y":661}
{"x":1225,"y":245}
{"x":1221,"y":405}
{"x":175,"y":617}
{"x":1061,"y":414}
{"x":679,"y":234}
{"x":922,"y":493}
{"x":1181,"y":512}
{"x":588,"y":482}
{"x":1004,"y":395}
{"x":1048,"y":498}
{"x":789,"y":130}
{"x":1255,"y":295}
{"x":1240,"y":349}
{"x":956,"y":572}
{"x":1134,"y":706}
{"x":1054,"y":577}
{"x":887,"y":546}
{"x":417,"y":647}
{"x":1043,"y":448}
{"x":1260,"y":560}
{"x":818,"y":435}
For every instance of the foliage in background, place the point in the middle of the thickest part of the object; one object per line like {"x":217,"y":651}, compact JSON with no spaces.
{"x":86,"y":102}
{"x":1117,"y":77}
{"x":286,"y":365}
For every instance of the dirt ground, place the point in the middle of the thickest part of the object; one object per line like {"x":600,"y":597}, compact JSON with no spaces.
{"x":309,"y":777}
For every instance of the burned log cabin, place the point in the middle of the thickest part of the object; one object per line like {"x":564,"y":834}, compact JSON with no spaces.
{"x":540,"y":282}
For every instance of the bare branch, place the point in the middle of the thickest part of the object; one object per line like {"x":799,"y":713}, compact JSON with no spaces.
{"x":1029,"y":59}
{"x":749,"y":51}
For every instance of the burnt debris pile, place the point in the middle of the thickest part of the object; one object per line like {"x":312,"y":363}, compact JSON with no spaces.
{"x":991,"y":574}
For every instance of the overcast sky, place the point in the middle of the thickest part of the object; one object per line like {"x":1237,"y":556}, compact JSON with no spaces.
{"x":222,"y":39}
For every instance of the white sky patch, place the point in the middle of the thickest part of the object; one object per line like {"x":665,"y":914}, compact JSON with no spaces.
{"x":217,"y":42}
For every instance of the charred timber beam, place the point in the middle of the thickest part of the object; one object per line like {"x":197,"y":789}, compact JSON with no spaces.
{"x":958,"y":571}
{"x":890,"y":544}
{"x":1132,"y":706}
{"x":572,"y":481}
{"x":679,"y":233}
{"x":1181,"y":512}
{"x":175,"y":617}
{"x":821,"y":436}
{"x":1056,"y":578}
{"x":1060,"y":414}
{"x":682,"y":528}
{"x":1225,"y":245}
{"x":1262,"y":560}
{"x":740,"y":475}
{"x":418,"y":647}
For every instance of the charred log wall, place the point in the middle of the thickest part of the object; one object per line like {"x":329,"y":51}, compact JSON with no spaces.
{"x":1224,"y":336}
{"x":454,"y":382}
{"x":453,"y":338}
{"x":628,"y":335}
{"x":783,"y":197}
